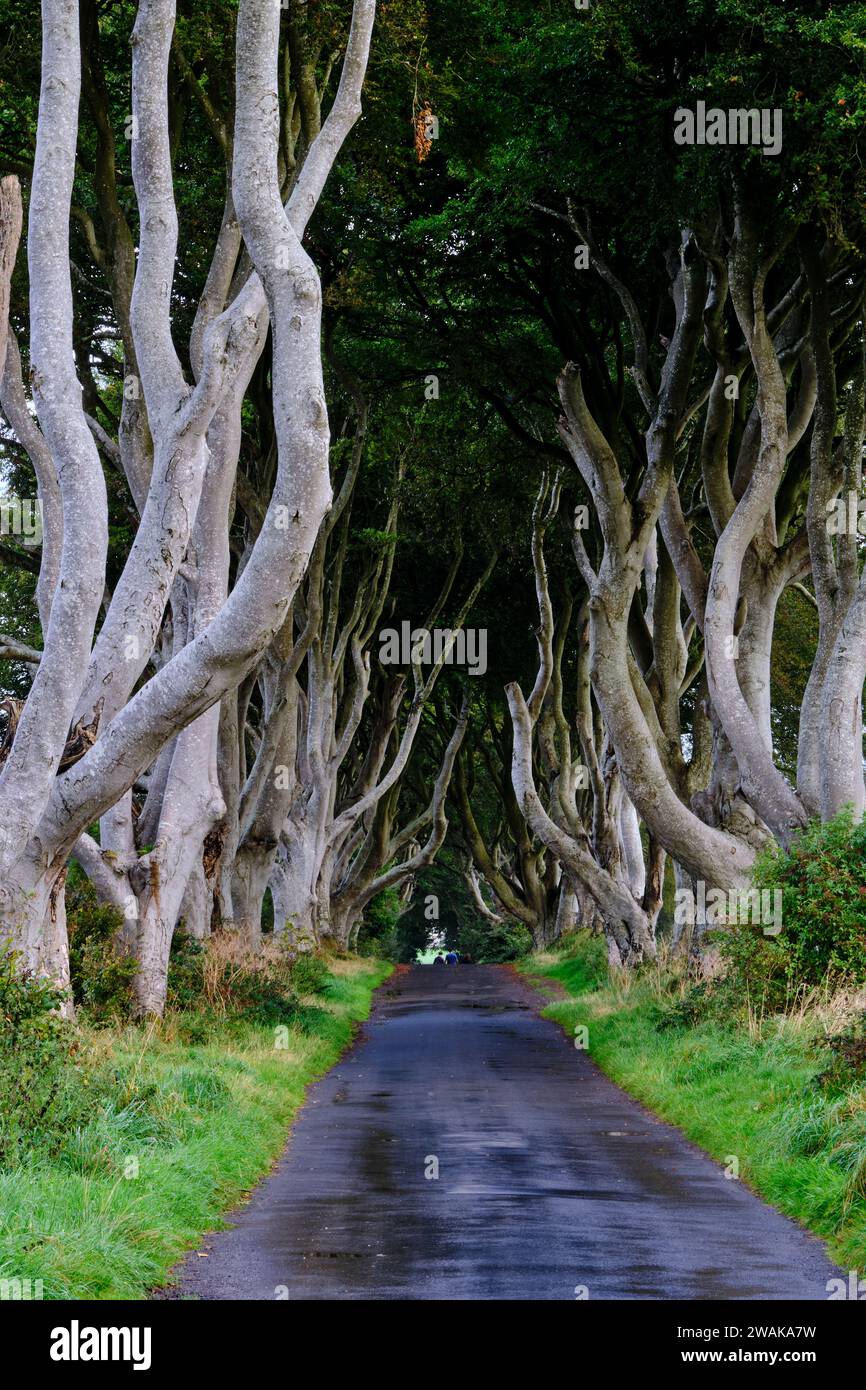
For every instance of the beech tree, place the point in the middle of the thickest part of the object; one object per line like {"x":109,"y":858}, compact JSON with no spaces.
{"x":652,"y":404}
{"x":523,"y":879}
{"x":704,"y":338}
{"x":178,"y":447}
{"x":317,"y":809}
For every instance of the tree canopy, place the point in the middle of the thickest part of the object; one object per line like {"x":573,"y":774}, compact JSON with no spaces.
{"x":328,"y":319}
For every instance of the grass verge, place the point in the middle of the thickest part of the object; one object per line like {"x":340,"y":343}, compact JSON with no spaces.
{"x":750,"y":1087}
{"x":179,"y":1131}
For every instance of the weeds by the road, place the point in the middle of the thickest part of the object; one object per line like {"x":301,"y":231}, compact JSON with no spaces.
{"x":144,"y":1136}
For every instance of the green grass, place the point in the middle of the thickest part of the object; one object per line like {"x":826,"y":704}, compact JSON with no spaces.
{"x":183,"y":1132}
{"x":732,"y":1088}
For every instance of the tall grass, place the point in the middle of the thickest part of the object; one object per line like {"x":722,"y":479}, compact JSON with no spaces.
{"x":178,"y":1132}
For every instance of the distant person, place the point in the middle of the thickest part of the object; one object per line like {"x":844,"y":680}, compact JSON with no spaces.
{"x":438,"y":960}
{"x":452,"y":958}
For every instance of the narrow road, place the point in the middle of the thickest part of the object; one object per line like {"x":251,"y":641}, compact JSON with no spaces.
{"x":550,"y":1178}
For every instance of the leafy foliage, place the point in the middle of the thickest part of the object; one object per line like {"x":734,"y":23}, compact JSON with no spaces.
{"x":847,"y":1066}
{"x":495,"y":944}
{"x":40,"y":1091}
{"x":823,"y":903}
{"x":378,"y":933}
{"x":823,"y":934}
{"x":101,"y":974}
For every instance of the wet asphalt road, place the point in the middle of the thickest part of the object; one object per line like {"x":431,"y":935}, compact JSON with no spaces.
{"x":550,"y":1178}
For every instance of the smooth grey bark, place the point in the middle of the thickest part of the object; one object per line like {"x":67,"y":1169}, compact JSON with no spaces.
{"x":626,"y":530}
{"x":629,"y":829}
{"x":596,"y":863}
{"x":830,"y":751}
{"x":43,"y":814}
{"x":764,"y":786}
{"x":712,"y":855}
{"x":626,"y":924}
{"x":28,"y":774}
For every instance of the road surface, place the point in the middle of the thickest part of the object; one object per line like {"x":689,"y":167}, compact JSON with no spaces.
{"x":552,"y":1183}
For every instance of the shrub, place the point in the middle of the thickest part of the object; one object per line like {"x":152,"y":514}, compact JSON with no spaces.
{"x":186,"y":973}
{"x":101,"y":974}
{"x":221,"y":975}
{"x":823,"y":884}
{"x":38,"y":1092}
{"x":261,"y":998}
{"x":583,"y":959}
{"x":309,"y":975}
{"x":718,"y":1000}
{"x":847,"y":1067}
{"x":757,"y":969}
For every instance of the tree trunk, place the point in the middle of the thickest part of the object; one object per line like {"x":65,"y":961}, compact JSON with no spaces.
{"x":33,"y":909}
{"x":252,"y":872}
{"x":191,"y":808}
{"x":294,"y":900}
{"x":842,"y":715}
